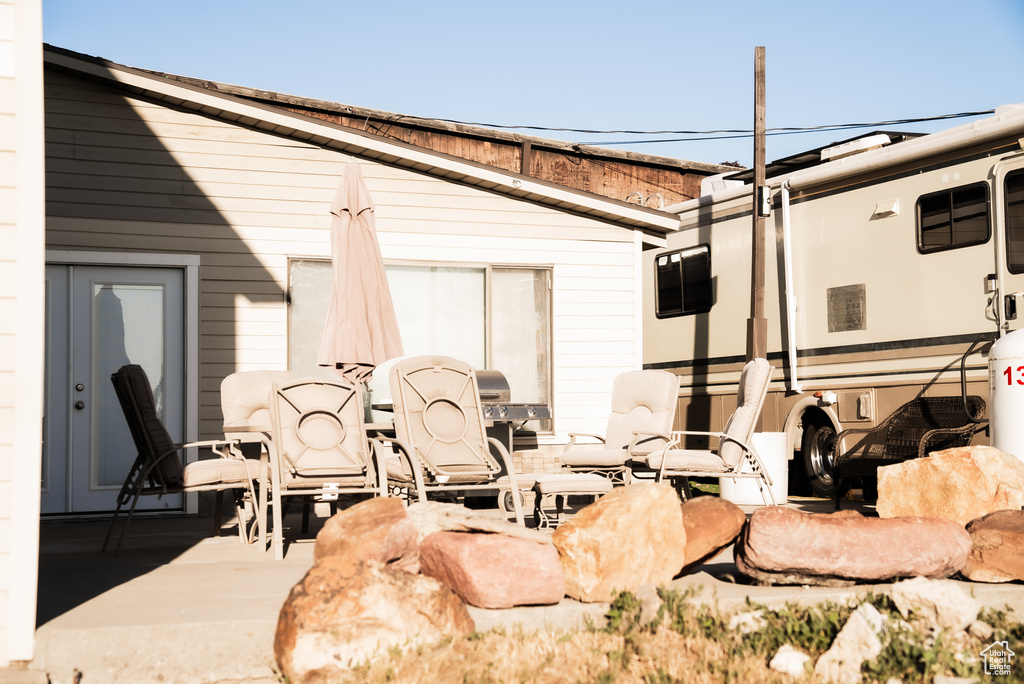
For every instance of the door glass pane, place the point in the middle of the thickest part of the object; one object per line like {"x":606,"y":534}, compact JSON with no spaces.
{"x":127,"y":327}
{"x":310,"y":288}
{"x":1015,"y":221}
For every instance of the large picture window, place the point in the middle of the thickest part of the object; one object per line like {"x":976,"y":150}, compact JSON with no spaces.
{"x":495,"y":317}
{"x":953,"y":218}
{"x":683,"y":282}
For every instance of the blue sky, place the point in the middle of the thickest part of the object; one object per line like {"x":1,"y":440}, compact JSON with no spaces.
{"x":646,"y":66}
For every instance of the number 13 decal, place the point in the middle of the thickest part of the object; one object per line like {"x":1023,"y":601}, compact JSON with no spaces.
{"x":1010,"y":370}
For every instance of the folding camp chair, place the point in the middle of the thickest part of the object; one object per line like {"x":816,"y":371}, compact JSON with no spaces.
{"x":158,"y":469}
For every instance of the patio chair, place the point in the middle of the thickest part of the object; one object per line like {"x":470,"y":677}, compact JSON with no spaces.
{"x":158,"y":468}
{"x":914,"y":430}
{"x":318,"y":446}
{"x":734,"y":448}
{"x":642,"y":401}
{"x":439,"y":421}
{"x":245,"y":405}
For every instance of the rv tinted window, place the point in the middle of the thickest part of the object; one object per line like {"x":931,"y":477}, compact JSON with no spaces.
{"x":953,"y":218}
{"x":683,"y":282}
{"x":1015,"y":221}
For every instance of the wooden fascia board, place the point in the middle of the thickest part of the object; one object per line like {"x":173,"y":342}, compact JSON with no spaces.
{"x":333,"y":136}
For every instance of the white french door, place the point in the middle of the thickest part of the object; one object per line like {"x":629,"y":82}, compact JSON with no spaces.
{"x":98,"y":319}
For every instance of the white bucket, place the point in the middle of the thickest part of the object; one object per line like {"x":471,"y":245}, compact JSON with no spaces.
{"x":771,"y":447}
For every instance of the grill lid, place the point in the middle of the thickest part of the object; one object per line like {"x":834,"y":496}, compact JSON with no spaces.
{"x":493,"y":387}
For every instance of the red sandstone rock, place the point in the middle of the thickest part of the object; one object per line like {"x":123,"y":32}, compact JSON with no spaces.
{"x":343,"y":612}
{"x":997,"y":553}
{"x":377,"y":530}
{"x":958,"y":484}
{"x":711,"y":524}
{"x":630,"y":537}
{"x":784,"y":546}
{"x":494,"y":571}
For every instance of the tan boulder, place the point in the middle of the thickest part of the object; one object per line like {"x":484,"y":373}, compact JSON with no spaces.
{"x":997,"y":553}
{"x":785,"y":546}
{"x":377,"y":529}
{"x":492,"y":570}
{"x":343,"y":612}
{"x":711,"y":524}
{"x":630,"y":537}
{"x":958,"y":484}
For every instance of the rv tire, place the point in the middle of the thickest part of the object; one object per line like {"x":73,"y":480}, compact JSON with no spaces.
{"x":816,"y":451}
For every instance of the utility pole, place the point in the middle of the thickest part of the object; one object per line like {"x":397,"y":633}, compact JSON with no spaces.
{"x":757,"y":324}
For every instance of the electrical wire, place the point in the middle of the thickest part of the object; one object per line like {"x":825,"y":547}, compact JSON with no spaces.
{"x":719,"y":134}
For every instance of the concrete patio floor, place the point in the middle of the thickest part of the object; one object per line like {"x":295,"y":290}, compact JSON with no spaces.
{"x":179,"y":605}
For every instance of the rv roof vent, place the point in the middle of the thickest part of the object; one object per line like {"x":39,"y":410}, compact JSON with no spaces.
{"x":854,"y":146}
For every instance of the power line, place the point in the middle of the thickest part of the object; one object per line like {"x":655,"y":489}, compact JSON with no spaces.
{"x":719,"y":134}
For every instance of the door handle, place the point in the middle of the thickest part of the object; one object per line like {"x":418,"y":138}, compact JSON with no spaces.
{"x":79,"y":404}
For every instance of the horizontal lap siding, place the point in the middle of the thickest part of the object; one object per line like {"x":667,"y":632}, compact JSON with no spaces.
{"x":126,"y":174}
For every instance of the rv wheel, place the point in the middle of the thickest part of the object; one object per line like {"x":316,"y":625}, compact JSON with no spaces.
{"x":817,"y":452}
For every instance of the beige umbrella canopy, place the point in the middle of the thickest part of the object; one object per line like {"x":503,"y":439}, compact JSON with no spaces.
{"x":361,"y":330}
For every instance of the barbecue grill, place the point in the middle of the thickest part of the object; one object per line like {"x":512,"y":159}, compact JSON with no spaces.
{"x":496,"y":400}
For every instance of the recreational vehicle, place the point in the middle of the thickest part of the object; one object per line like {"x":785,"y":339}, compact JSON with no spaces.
{"x":891,"y":262}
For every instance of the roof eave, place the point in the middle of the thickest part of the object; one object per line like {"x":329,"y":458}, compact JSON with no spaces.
{"x":350,"y":141}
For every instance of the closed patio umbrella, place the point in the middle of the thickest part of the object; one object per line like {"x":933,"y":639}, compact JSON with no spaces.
{"x":360,"y":330}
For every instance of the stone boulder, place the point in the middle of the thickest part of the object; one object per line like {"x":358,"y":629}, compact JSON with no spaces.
{"x":958,"y":484}
{"x":711,"y":524}
{"x":377,"y":530}
{"x":935,"y":604}
{"x":997,"y":553}
{"x":343,"y":612}
{"x":492,"y":570}
{"x":630,"y":537}
{"x":784,"y":546}
{"x":858,"y":641}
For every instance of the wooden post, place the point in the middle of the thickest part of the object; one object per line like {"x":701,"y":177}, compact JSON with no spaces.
{"x":757,"y":325}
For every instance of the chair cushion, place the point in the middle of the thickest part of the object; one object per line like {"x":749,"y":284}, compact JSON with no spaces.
{"x":688,"y":459}
{"x":750,"y":397}
{"x":572,"y":483}
{"x":593,"y":456}
{"x":214,"y":471}
{"x":244,"y":396}
{"x":641,"y":401}
{"x":523,"y":480}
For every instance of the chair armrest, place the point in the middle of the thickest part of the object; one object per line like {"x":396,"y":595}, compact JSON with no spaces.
{"x":838,"y":450}
{"x":415,"y":467}
{"x":922,"y":449}
{"x":645,"y":443}
{"x":574,"y":435}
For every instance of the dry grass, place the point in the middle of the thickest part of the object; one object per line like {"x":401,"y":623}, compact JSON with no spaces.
{"x":549,"y":657}
{"x":686,"y":643}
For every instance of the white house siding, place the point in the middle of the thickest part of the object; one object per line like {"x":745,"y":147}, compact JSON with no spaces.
{"x":126,"y":174}
{"x":21,"y":323}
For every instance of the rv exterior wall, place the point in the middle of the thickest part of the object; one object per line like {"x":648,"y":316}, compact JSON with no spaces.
{"x":877,"y":320}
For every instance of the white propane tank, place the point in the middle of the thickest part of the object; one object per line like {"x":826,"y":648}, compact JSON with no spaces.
{"x":1006,"y":386}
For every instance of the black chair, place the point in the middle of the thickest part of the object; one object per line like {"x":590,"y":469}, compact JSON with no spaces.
{"x":914,"y":430}
{"x":158,"y":469}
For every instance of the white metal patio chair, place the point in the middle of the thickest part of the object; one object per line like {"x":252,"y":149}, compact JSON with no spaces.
{"x":439,"y":421}
{"x":734,"y":442}
{"x":318,"y":446}
{"x":642,"y":402}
